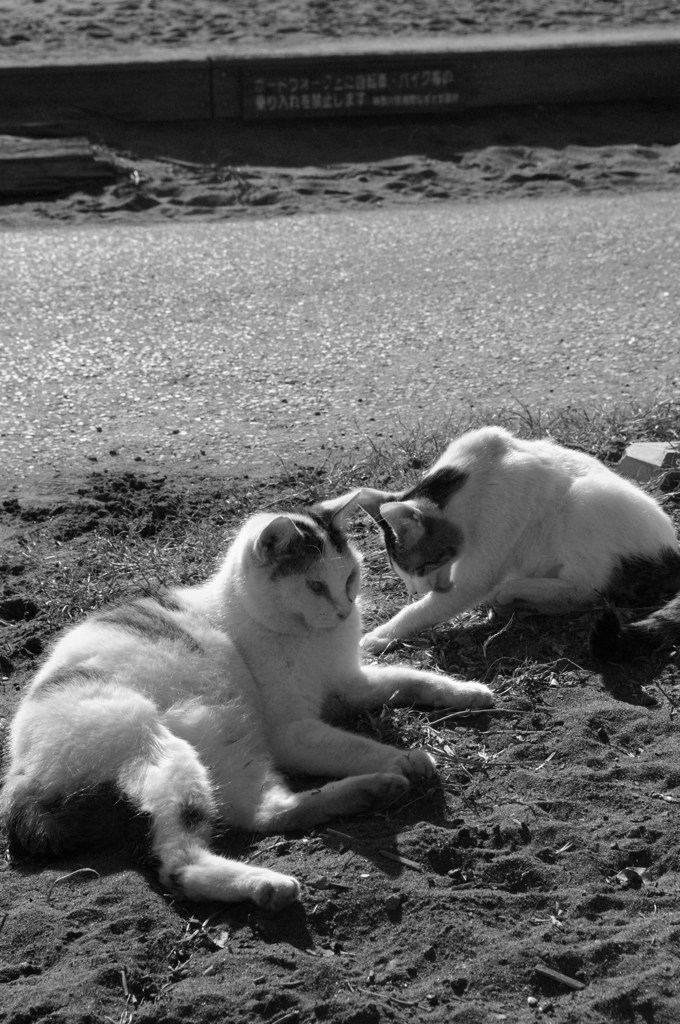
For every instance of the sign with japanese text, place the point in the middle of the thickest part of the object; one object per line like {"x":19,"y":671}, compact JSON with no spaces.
{"x":326,"y":92}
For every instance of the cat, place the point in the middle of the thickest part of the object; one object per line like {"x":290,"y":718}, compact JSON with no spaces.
{"x":191,"y":705}
{"x":527,"y":525}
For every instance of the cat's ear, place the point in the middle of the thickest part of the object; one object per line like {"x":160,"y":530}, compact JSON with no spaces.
{"x":275,"y":538}
{"x":370,"y":500}
{"x":405,"y":521}
{"x":342,"y":506}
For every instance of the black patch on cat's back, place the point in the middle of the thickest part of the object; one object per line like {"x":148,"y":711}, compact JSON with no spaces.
{"x":95,"y":817}
{"x":67,"y":674}
{"x":438,"y":486}
{"x":149,"y":621}
{"x":640,"y":582}
{"x":645,"y":581}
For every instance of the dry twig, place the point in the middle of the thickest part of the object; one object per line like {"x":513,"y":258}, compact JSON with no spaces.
{"x":71,"y":874}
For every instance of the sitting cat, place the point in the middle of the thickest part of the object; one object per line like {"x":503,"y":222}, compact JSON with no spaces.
{"x":526,"y":525}
{"x":192,"y":703}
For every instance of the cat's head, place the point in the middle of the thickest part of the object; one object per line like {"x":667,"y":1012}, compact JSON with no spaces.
{"x":304,"y":566}
{"x":421,"y":539}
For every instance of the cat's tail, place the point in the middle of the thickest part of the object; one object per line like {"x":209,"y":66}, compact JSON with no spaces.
{"x":612,"y":640}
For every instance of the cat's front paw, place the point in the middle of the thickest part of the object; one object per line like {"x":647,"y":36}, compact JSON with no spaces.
{"x":416,"y":764}
{"x":275,"y":891}
{"x":375,"y":643}
{"x":462,"y":695}
{"x":381,"y":789}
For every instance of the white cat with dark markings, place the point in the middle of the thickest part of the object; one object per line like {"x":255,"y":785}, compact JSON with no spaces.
{"x":527,"y":525}
{"x":191,"y":705}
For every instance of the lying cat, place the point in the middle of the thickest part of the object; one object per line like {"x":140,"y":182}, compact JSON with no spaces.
{"x":190,"y":704}
{"x":526,"y":525}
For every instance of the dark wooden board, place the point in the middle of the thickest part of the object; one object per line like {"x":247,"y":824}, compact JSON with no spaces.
{"x":372,"y":77}
{"x":37,"y":167}
{"x":142,"y":91}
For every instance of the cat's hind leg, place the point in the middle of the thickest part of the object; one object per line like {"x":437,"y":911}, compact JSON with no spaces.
{"x":78,"y":735}
{"x":174,"y":788}
{"x":66,"y":743}
{"x":544,"y":596}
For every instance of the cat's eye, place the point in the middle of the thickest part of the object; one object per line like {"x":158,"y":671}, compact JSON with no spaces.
{"x":316,"y":586}
{"x":436,"y":563}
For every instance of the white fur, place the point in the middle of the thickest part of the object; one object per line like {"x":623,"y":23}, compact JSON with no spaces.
{"x":213,"y":727}
{"x":543,"y":528}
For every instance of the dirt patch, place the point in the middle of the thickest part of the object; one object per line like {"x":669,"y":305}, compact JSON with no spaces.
{"x":538,"y":876}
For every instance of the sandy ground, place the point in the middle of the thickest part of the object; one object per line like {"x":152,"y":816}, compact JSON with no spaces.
{"x":550,"y":842}
{"x":31,"y":29}
{"x":165,"y":173}
{"x":215,"y":170}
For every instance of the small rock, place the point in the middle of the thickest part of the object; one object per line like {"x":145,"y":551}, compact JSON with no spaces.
{"x":532,"y":1001}
{"x":319,"y":882}
{"x":630,"y":878}
{"x":393,"y":903}
{"x":646,"y":460}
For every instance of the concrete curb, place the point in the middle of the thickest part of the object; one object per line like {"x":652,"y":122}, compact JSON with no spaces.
{"x":365,"y":77}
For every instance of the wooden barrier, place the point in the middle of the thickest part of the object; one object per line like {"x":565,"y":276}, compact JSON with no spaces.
{"x":141,"y":91}
{"x":368,"y":77}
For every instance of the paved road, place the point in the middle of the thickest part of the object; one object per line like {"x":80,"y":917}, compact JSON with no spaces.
{"x":237,"y":344}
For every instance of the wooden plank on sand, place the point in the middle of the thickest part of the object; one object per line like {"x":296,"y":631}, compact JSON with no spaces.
{"x":40,"y":167}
